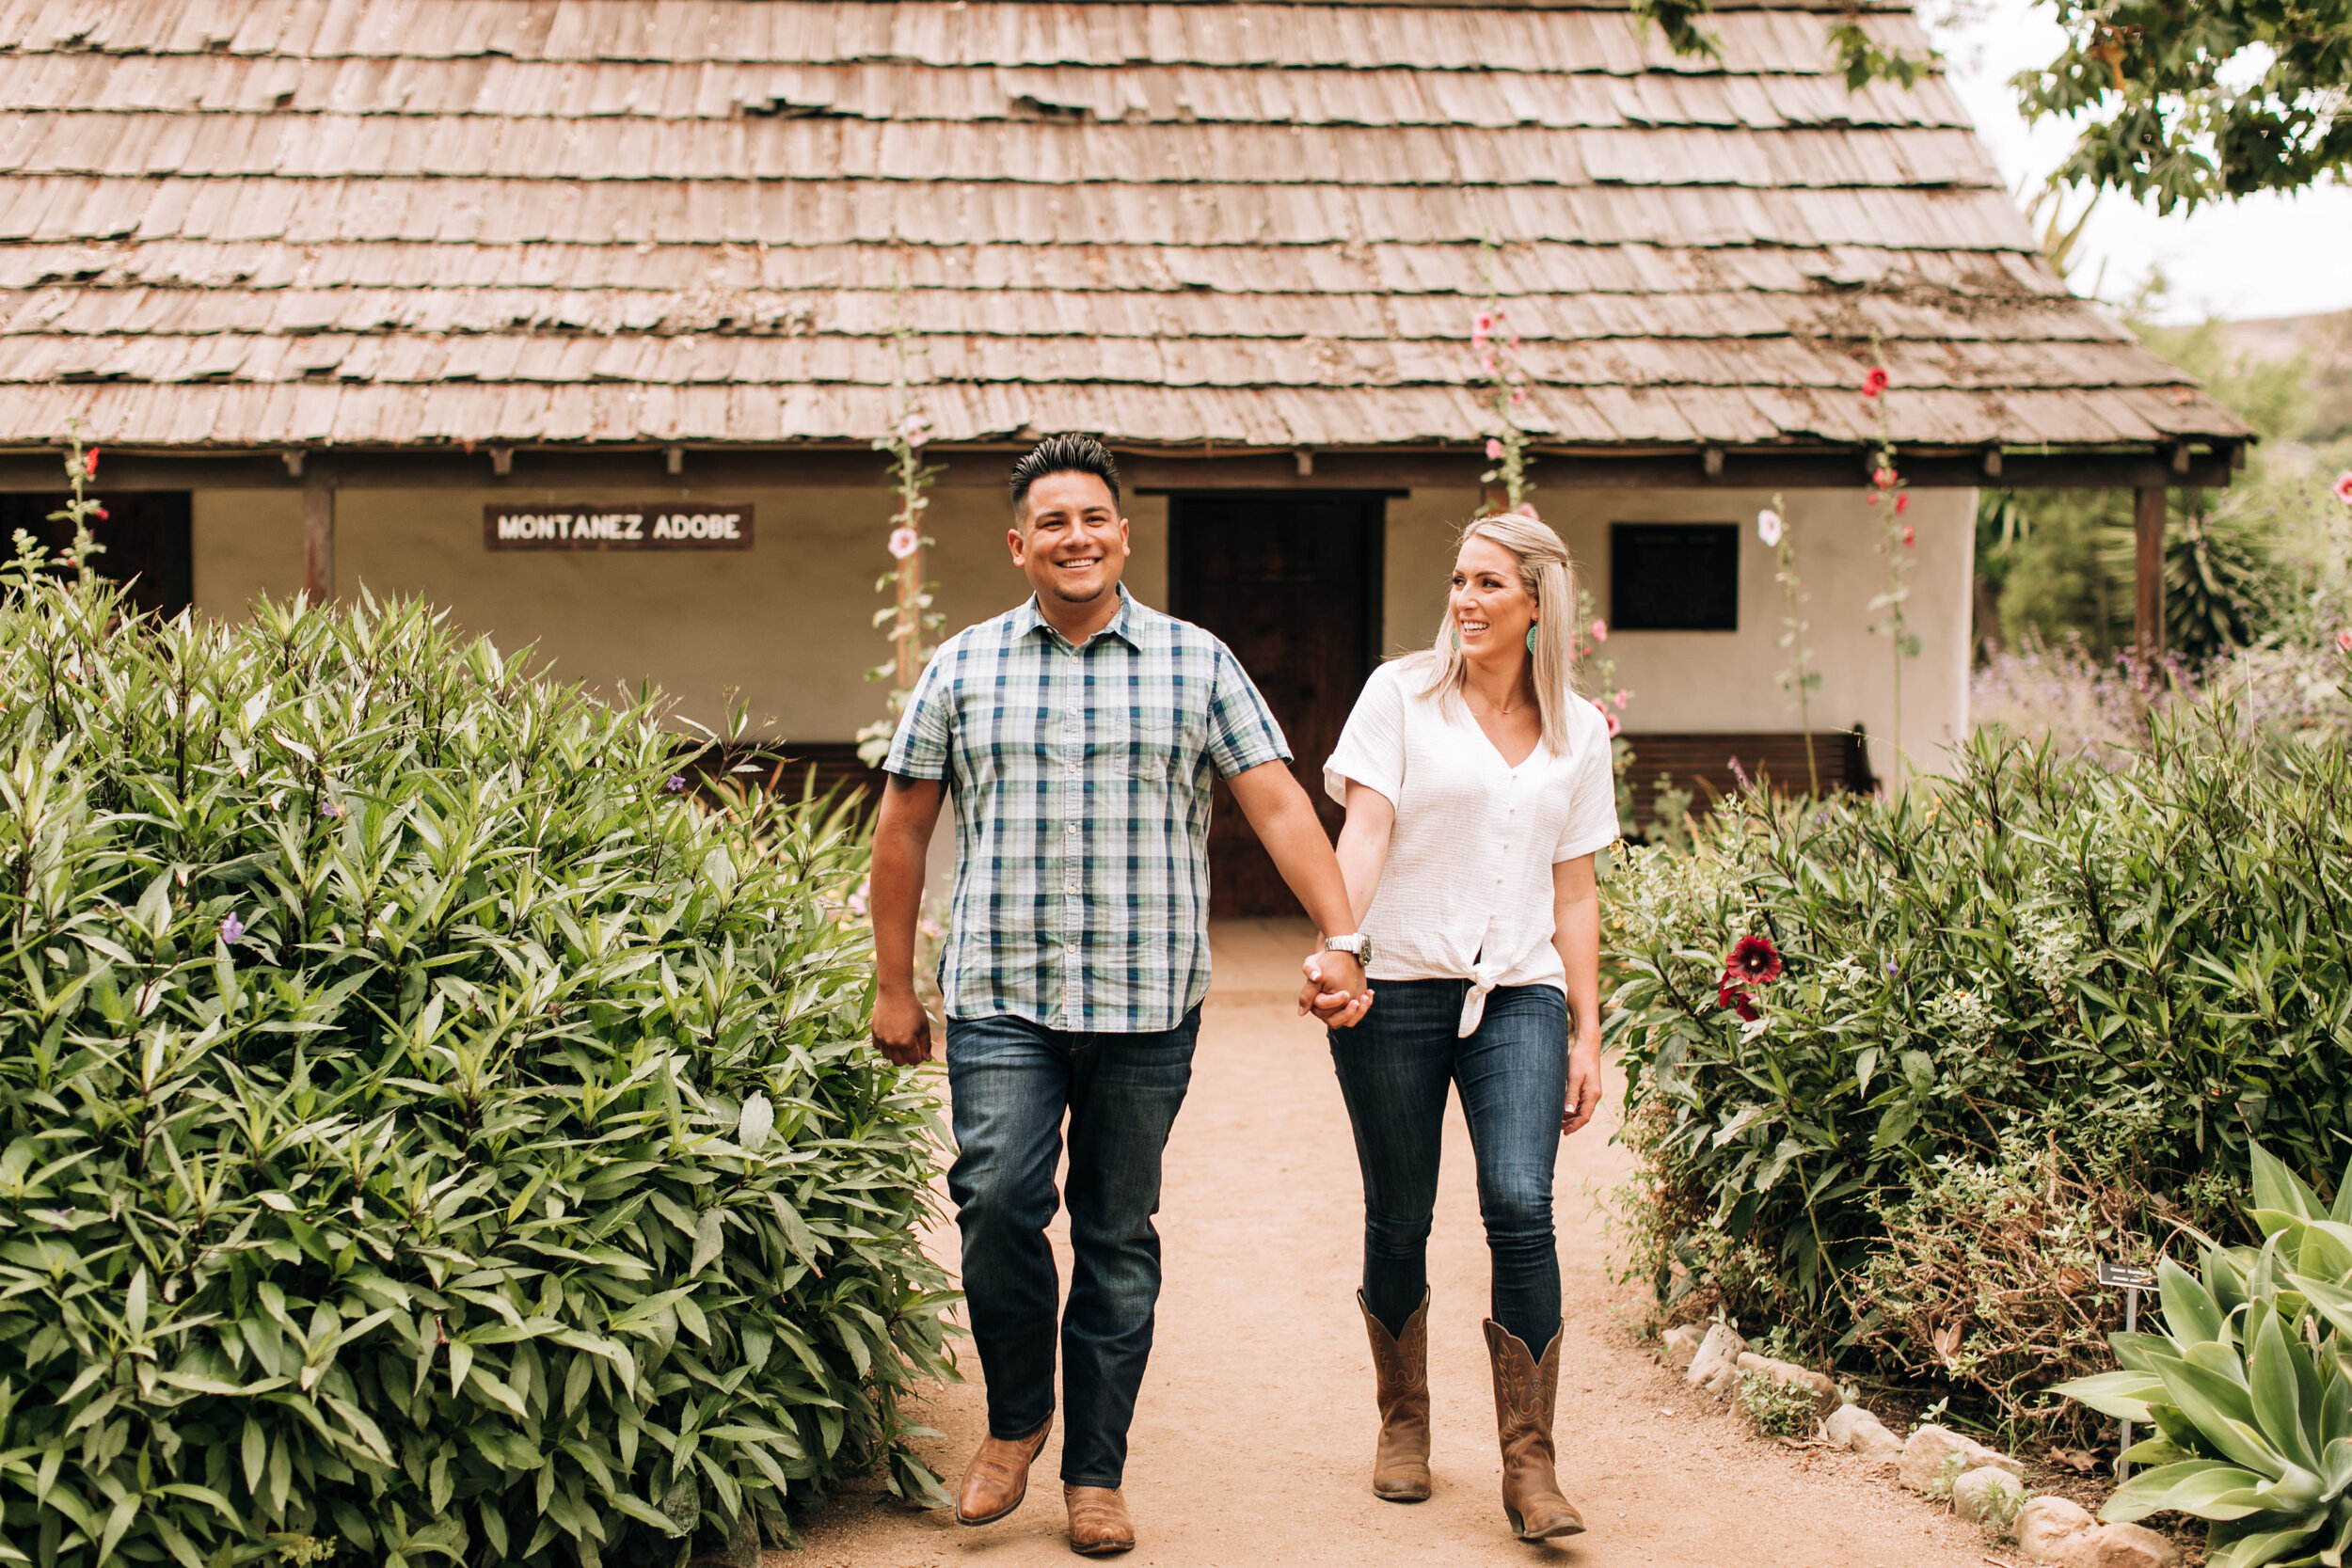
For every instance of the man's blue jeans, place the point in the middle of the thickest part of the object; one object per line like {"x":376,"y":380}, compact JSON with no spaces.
{"x":1513,"y":1073}
{"x":1011,"y":1080}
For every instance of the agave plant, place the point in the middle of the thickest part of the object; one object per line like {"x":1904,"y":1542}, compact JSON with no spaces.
{"x":2250,"y":1389}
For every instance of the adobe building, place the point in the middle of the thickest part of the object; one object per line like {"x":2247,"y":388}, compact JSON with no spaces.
{"x":339,"y":283}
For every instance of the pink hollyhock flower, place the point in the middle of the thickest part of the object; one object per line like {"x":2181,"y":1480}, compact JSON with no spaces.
{"x":1902,"y":505}
{"x":2342,"y":487}
{"x":904,"y":542}
{"x":1883,"y":479}
{"x":1482,"y":327}
{"x":1608,"y":718}
{"x":1768,"y":527}
{"x":2343,"y":641}
{"x":1601,"y":631}
{"x":914,"y":430}
{"x":1494,"y":449}
{"x":1620,"y":698}
{"x":1486,"y":362}
{"x":1734,"y":995}
{"x":1751,"y":961}
{"x":1519,"y":394}
{"x":857,"y":901}
{"x":1909,"y":538}
{"x":1874,"y":383}
{"x":1527,"y":509}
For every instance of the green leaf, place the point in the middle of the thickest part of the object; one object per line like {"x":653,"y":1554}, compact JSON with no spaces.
{"x":2205,"y":1488}
{"x":2188,"y":1309}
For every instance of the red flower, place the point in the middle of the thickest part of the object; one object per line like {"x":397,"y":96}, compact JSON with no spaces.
{"x":1908,"y":537}
{"x":2342,"y":487}
{"x":1732,"y":994}
{"x":1481,"y":326}
{"x":102,"y":514}
{"x":1874,"y":383}
{"x":1753,"y":961}
{"x":1883,"y":479}
{"x":91,"y":466}
{"x":1902,"y":505}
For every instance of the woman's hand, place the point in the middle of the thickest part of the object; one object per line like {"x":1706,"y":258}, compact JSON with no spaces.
{"x":1583,"y":1086}
{"x":1336,"y":1009}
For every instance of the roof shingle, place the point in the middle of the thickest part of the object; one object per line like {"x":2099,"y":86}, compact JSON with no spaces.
{"x":231,"y":222}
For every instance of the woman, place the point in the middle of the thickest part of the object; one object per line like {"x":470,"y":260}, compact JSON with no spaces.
{"x":1478,"y":789}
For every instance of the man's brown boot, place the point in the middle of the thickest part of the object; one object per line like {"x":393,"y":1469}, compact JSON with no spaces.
{"x":1099,"y":1524}
{"x":1400,"y":1462}
{"x":1525,"y":1389}
{"x":999,"y":1477}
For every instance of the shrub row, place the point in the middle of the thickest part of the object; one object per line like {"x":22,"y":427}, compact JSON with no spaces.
{"x":427,"y":1132}
{"x":2103,"y":982}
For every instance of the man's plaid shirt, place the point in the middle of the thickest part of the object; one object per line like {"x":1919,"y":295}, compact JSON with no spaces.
{"x":1081,"y":789}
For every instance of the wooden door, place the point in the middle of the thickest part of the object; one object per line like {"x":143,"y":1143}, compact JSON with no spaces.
{"x":1292,"y":583}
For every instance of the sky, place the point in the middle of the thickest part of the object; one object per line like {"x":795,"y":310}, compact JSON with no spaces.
{"x":2269,"y":254}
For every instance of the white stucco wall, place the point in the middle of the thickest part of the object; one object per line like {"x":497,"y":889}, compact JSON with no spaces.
{"x":789,"y":622}
{"x":1709,"y":681}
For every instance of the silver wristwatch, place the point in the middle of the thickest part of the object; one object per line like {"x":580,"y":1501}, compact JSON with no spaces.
{"x":1356,"y":945}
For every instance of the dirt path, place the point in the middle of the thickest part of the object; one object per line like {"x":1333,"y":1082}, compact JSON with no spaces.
{"x":1254,"y":1434}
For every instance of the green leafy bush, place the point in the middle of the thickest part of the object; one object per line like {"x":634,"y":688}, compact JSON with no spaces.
{"x":2250,"y":1389}
{"x":429,"y":1133}
{"x":2139,"y":967}
{"x":1777,"y":1409}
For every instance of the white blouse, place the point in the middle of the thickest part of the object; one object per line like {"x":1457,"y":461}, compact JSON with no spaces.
{"x":1467,"y":891}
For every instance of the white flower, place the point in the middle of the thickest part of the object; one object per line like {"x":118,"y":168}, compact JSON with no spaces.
{"x":1768,"y":527}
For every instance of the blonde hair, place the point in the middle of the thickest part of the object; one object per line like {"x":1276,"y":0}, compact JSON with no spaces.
{"x":1550,"y":580}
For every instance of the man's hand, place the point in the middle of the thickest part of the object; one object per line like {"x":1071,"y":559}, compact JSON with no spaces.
{"x":902,"y":1030}
{"x":1328,"y":993}
{"x":1583,"y":1086}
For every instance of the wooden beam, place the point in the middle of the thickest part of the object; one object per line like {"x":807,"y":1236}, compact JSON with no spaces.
{"x":318,"y":543}
{"x":580,"y":472}
{"x":2148,"y":573}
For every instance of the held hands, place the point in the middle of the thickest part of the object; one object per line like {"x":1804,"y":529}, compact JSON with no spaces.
{"x":1583,"y":1086}
{"x":902,"y":1031}
{"x":1335,"y":991}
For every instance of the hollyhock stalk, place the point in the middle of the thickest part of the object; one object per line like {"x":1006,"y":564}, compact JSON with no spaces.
{"x":1800,"y":677}
{"x":1885,"y":491}
{"x":909,"y":614}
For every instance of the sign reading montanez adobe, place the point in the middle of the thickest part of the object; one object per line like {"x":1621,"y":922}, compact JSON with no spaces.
{"x":618,"y":526}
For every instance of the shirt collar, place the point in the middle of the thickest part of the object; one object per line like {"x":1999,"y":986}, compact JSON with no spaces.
{"x":1028,"y":618}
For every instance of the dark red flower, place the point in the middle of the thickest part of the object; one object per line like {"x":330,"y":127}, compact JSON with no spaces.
{"x":1732,"y":994}
{"x":1753,"y":961}
{"x":1874,"y":383}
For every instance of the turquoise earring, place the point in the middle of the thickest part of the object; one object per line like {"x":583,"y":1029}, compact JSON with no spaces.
{"x":1458,"y":638}
{"x":1531,"y":640}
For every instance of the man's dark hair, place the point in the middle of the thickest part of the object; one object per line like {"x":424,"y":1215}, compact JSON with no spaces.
{"x":1064,"y":455}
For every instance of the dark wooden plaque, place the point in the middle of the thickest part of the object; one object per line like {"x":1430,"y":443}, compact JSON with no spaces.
{"x":618,"y":526}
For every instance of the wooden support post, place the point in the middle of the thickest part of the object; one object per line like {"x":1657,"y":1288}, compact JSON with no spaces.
{"x":318,"y":543}
{"x":2148,"y":573}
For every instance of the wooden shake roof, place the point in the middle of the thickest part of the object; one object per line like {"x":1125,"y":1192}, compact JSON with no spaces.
{"x":372,"y":223}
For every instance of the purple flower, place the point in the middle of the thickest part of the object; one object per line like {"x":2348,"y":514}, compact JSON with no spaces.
{"x":231,"y":928}
{"x":677,"y":785}
{"x":332,"y":809}
{"x":1892,"y":968}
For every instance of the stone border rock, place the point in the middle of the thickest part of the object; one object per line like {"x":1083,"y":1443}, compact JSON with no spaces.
{"x":1979,"y":1483}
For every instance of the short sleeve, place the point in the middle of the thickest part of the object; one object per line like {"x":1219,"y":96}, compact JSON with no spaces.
{"x":1592,"y":822}
{"x":918,"y":748}
{"x":1372,"y":748}
{"x":1242,"y":732}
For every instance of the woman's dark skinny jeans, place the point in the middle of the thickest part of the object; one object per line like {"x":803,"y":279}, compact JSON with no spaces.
{"x":1513,"y":1072}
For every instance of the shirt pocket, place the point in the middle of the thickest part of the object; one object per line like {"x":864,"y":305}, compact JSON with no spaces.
{"x":1153,"y":740}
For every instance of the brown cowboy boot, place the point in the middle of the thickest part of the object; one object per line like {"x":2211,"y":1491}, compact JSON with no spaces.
{"x":999,"y":1477}
{"x":1400,"y":1462}
{"x":1525,"y":1390}
{"x":1099,"y":1523}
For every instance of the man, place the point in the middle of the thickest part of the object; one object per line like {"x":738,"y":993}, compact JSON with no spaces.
{"x":1075,"y":735}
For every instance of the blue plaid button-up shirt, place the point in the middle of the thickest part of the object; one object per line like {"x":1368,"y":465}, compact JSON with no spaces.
{"x":1080,"y":781}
